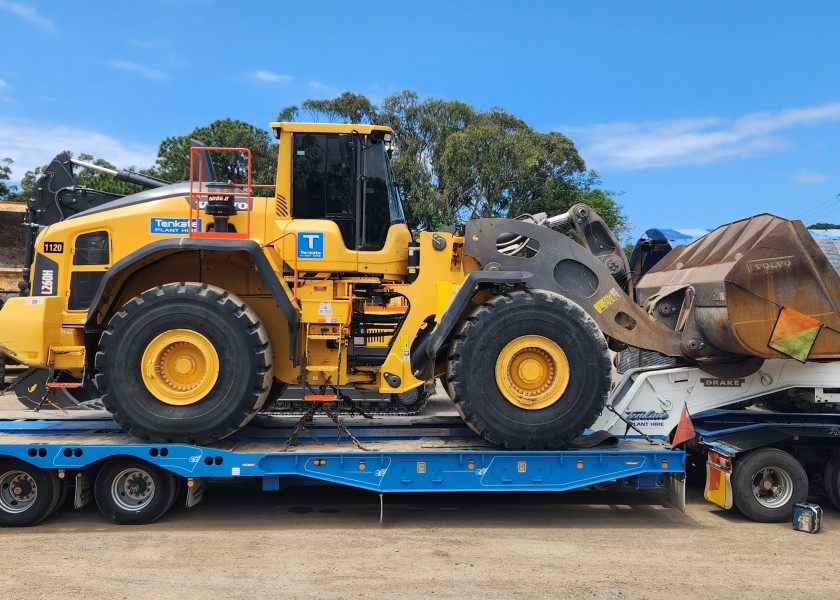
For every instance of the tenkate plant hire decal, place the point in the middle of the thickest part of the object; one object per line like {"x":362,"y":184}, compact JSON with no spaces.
{"x":650,"y":417}
{"x":173,"y":225}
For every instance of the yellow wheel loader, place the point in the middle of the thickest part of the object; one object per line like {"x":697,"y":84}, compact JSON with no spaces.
{"x":187,"y":303}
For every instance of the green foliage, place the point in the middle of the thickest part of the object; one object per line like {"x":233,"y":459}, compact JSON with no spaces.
{"x":8,"y":193}
{"x":422,"y":129}
{"x":102,"y":181}
{"x":27,"y":183}
{"x":824,"y":226}
{"x":454,"y":163}
{"x":583,"y":187}
{"x":173,"y":162}
{"x":347,"y":108}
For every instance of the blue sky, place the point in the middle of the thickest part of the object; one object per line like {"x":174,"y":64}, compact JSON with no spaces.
{"x":699,"y":113}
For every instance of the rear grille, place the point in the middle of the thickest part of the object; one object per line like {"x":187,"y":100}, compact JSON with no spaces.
{"x":92,"y":249}
{"x":281,"y":207}
{"x":83,"y":286}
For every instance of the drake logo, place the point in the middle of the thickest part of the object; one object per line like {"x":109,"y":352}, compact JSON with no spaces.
{"x":708,"y":382}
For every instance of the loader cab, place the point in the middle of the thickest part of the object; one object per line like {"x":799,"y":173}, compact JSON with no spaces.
{"x":341,"y":173}
{"x":346,"y":178}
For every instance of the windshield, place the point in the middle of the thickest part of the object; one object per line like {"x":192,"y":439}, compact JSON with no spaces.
{"x":380,"y":178}
{"x":381,"y":205}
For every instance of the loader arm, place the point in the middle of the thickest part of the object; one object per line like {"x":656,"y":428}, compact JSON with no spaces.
{"x":560,"y":265}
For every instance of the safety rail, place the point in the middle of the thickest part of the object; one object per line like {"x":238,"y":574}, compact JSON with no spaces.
{"x":295,"y":266}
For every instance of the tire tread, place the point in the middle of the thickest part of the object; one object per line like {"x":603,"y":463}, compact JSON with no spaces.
{"x":257,"y":337}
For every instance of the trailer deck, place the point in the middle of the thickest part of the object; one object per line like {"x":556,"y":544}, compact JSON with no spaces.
{"x":421,"y":454}
{"x":426,"y":454}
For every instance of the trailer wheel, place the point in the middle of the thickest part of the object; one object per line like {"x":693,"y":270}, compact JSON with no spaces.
{"x":529,"y":370}
{"x":184,"y":362}
{"x":832,"y":480}
{"x":767,"y":483}
{"x":134,"y":492}
{"x":28,"y":494}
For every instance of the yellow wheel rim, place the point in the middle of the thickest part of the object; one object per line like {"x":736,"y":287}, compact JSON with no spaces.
{"x":532,"y":372}
{"x":180,"y":367}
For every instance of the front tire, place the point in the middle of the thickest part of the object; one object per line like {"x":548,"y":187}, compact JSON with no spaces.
{"x":185,"y":362}
{"x":529,"y":370}
{"x":767,"y":483}
{"x":831,"y":480}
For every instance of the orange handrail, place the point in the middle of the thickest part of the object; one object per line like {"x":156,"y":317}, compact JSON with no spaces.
{"x":295,"y":268}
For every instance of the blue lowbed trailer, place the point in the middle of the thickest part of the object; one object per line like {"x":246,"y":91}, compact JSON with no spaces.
{"x":136,"y":482}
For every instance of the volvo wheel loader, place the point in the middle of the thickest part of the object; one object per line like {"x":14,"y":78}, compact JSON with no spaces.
{"x":187,"y":303}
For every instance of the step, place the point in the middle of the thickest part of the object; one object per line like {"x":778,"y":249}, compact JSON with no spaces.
{"x":67,"y":349}
{"x":320,"y":397}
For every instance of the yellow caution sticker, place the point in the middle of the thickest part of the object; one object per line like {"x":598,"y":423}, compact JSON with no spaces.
{"x":606,"y":301}
{"x":404,"y":342}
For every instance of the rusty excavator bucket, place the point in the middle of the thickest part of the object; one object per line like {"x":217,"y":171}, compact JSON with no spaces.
{"x":760,"y":287}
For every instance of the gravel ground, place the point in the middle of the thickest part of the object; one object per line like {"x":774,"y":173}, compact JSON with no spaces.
{"x":328,"y":542}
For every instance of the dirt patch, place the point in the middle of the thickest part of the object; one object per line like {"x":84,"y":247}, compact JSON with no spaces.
{"x":602,"y":543}
{"x":12,"y":235}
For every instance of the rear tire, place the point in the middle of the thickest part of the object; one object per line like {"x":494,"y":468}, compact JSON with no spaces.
{"x":831,"y":480}
{"x":28,"y":494}
{"x":767,"y":483}
{"x":134,"y":492}
{"x":529,"y":370}
{"x":185,"y":362}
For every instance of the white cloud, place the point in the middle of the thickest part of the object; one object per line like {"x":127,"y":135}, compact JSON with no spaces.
{"x":5,"y":87}
{"x":28,"y":14}
{"x":809,"y":177}
{"x":654,"y":144}
{"x":317,"y":86}
{"x":270,"y":77}
{"x":31,"y":147}
{"x":141,"y":70}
